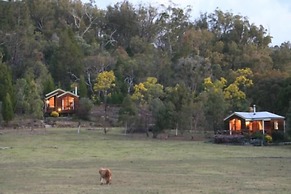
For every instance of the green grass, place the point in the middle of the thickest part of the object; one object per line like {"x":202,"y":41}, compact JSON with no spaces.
{"x":62,"y":161}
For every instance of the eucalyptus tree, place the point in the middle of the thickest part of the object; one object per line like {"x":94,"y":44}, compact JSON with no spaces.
{"x":83,"y":91}
{"x":180,"y":99}
{"x":16,"y":31}
{"x":191,"y":71}
{"x":281,"y":56}
{"x":241,"y":44}
{"x":95,"y":64}
{"x":267,"y":91}
{"x":42,"y":14}
{"x":128,"y":113}
{"x":65,"y":62}
{"x":7,"y":108}
{"x":6,"y":85}
{"x":121,"y":24}
{"x":148,"y":27}
{"x":172,"y":23}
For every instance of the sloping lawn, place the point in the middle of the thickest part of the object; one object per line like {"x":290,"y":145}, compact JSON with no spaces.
{"x":63,"y":161}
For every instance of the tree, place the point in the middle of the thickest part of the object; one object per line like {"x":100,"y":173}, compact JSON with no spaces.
{"x":104,"y":82}
{"x":121,"y":24}
{"x":179,"y":100}
{"x":235,"y":92}
{"x":162,"y":116}
{"x":5,"y":81}
{"x":214,"y":103}
{"x":288,"y":115}
{"x":84,"y":108}
{"x":66,"y":60}
{"x":48,"y":85}
{"x":127,"y":112}
{"x":7,"y":109}
{"x":83,"y":91}
{"x":191,"y":71}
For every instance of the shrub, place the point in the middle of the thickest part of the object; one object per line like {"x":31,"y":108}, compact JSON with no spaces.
{"x":278,"y":136}
{"x":84,"y":108}
{"x":268,"y":138}
{"x":229,"y":139}
{"x":55,"y":114}
{"x":257,"y":135}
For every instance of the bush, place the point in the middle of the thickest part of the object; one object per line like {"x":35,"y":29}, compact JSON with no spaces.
{"x":55,"y":114}
{"x":229,"y":139}
{"x":268,"y":138}
{"x":84,"y":108}
{"x":257,"y":135}
{"x":278,"y":136}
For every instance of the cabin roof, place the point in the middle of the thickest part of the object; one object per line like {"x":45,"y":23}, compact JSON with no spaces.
{"x":264,"y":115}
{"x":55,"y":91}
{"x":66,"y":93}
{"x":59,"y":93}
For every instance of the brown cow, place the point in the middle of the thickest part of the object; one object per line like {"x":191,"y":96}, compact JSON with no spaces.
{"x":105,"y":175}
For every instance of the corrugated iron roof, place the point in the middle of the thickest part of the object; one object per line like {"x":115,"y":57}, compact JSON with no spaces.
{"x":264,"y":115}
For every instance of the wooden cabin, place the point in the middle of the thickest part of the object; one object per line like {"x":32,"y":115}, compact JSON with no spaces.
{"x":64,"y":102}
{"x":250,"y":122}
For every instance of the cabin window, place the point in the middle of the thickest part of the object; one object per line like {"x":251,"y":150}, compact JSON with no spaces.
{"x":51,"y":102}
{"x":276,"y":125}
{"x":256,"y":125}
{"x":68,"y":103}
{"x":235,"y":125}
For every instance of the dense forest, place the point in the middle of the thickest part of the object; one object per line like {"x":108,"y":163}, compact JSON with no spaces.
{"x":159,"y":61}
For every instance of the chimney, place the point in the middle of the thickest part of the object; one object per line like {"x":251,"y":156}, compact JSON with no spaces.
{"x":254,"y":108}
{"x":76,"y":90}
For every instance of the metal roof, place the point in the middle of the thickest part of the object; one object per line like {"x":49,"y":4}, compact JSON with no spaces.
{"x":67,"y":93}
{"x":264,"y":115}
{"x":55,"y":91}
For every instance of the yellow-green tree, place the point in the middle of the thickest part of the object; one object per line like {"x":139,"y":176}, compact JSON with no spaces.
{"x":146,"y":91}
{"x":234,"y":93}
{"x":104,"y":82}
{"x":147,"y":94}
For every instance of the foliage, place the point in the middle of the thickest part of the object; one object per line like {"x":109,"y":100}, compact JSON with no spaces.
{"x":48,"y":85}
{"x":104,"y":81}
{"x":84,"y":108}
{"x":229,"y":139}
{"x":55,"y":114}
{"x":257,"y":135}
{"x":128,"y":112}
{"x":278,"y":136}
{"x":162,"y":116}
{"x":289,"y":119}
{"x":146,"y":91}
{"x":83,"y":91}
{"x":5,"y":82}
{"x":7,"y":109}
{"x":268,"y":138}
{"x":220,"y":58}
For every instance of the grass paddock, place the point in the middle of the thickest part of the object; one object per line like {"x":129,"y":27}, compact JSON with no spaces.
{"x":63,"y":161}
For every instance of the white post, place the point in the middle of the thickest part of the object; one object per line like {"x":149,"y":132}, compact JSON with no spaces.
{"x":263,"y":138}
{"x":263,"y":125}
{"x":230,"y":131}
{"x":79,"y":126}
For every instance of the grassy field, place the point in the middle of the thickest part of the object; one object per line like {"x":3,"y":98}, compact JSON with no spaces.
{"x":62,"y":161}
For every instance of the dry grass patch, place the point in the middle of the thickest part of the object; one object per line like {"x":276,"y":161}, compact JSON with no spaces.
{"x":62,"y":161}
